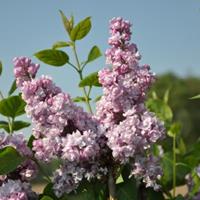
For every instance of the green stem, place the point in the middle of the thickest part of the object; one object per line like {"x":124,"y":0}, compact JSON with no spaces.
{"x":87,"y":101}
{"x":10,"y":122}
{"x":174,"y":166}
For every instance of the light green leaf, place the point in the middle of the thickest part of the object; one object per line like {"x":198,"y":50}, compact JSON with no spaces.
{"x":81,"y":29}
{"x":97,"y":98}
{"x":68,"y":24}
{"x":10,"y":159}
{"x":196,"y":97}
{"x":93,"y":54}
{"x":90,"y":80}
{"x":12,"y":106}
{"x":61,"y":44}
{"x":166,"y":96}
{"x":160,"y":108}
{"x":53,"y":57}
{"x":174,"y":129}
{"x":46,"y":198}
{"x":12,"y":88}
{"x":80,"y":99}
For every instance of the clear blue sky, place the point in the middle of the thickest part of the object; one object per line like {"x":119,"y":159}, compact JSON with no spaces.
{"x":166,"y":31}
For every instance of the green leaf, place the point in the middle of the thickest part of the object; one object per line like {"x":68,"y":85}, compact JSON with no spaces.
{"x":10,"y":159}
{"x":12,"y":88}
{"x":61,"y":44}
{"x":30,"y":141}
{"x":90,"y":80}
{"x":126,"y":190}
{"x":80,"y":99}
{"x":81,"y":29}
{"x":46,"y":198}
{"x":1,"y":68}
{"x":17,"y":125}
{"x":179,"y":197}
{"x":154,"y":195}
{"x":68,"y":24}
{"x":174,"y":129}
{"x":4,"y":125}
{"x":48,"y":190}
{"x":97,"y":98}
{"x":166,"y":96}
{"x":196,"y":97}
{"x":53,"y":57}
{"x":93,"y":54}
{"x":181,"y":146}
{"x":12,"y":106}
{"x":160,"y":108}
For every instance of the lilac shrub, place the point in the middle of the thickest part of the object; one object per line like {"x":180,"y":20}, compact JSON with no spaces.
{"x":121,"y":132}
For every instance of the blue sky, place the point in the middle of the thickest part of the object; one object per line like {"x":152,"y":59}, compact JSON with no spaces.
{"x":166,"y":32}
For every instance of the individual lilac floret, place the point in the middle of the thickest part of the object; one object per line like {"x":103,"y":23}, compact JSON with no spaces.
{"x":24,"y":69}
{"x":28,"y":169}
{"x":16,"y":190}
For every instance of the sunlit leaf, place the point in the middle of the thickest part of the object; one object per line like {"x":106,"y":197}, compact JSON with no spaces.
{"x":81,"y":29}
{"x":53,"y":57}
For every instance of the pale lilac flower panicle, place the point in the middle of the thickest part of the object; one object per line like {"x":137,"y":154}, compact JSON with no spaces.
{"x":131,"y":128}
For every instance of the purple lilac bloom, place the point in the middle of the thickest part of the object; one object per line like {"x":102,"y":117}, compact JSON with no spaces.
{"x":62,"y":129}
{"x":131,"y":128}
{"x":16,"y":190}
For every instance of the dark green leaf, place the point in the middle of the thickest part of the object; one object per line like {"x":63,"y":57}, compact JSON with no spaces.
{"x":90,"y":80}
{"x":154,"y":195}
{"x":81,"y":29}
{"x":61,"y":44}
{"x":126,"y":190}
{"x":12,"y":88}
{"x":94,"y":54}
{"x":179,"y":197}
{"x":17,"y":125}
{"x":67,"y":23}
{"x":196,"y":97}
{"x":80,"y":99}
{"x":53,"y":57}
{"x":12,"y":106}
{"x":48,"y":190}
{"x":4,"y":125}
{"x":10,"y":159}
{"x":30,"y":141}
{"x":1,"y":68}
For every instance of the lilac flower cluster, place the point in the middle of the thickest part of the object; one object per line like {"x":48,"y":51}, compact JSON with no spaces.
{"x":15,"y":184}
{"x":131,"y":128}
{"x":62,"y":129}
{"x":16,"y":190}
{"x":122,"y":131}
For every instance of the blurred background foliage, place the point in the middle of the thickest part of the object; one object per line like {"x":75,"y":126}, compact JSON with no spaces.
{"x":185,"y":110}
